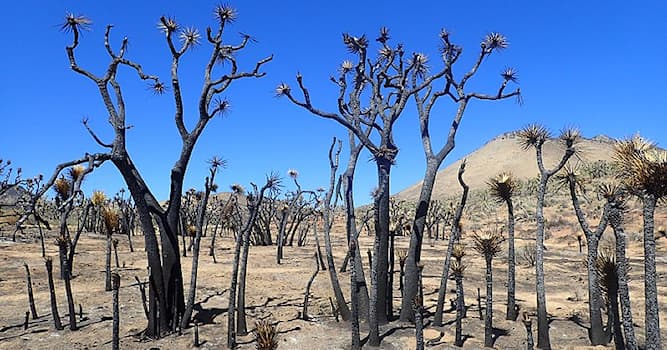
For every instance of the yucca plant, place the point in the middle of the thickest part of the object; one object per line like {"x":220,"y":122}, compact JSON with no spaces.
{"x":489,"y":245}
{"x":614,"y":194}
{"x":608,"y":278}
{"x":502,"y":188}
{"x":571,"y":179}
{"x":643,"y":170}
{"x":534,"y":136}
{"x":266,"y":335}
{"x":458,"y":269}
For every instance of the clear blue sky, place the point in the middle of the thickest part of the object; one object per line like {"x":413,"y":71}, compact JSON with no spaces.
{"x":596,"y":65}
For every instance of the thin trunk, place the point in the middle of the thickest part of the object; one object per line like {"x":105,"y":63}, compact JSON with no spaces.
{"x":107,"y":279}
{"x":319,"y":248}
{"x":115,"y":252}
{"x":488,"y":316}
{"x":333,"y":276}
{"x":352,"y":234}
{"x":31,"y":299}
{"x":512,"y":311}
{"x":528,"y":323}
{"x":652,"y":320}
{"x":390,"y":281}
{"x":459,"y":310}
{"x":306,"y":295}
{"x":70,"y":298}
{"x":187,"y":314}
{"x":454,"y":236}
{"x":419,"y":326}
{"x":52,"y":294}
{"x":543,"y":341}
{"x":115,"y":339}
{"x":374,"y":331}
{"x":623,"y":290}
{"x":619,"y":344}
{"x":354,"y":297}
{"x":596,"y":333}
{"x":242,"y":238}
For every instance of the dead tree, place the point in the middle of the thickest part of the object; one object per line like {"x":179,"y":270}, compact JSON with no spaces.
{"x":643,"y":170}
{"x":425,"y":99}
{"x":387,"y":82}
{"x":454,"y":236}
{"x":115,"y":338}
{"x":31,"y":298}
{"x":488,"y":245}
{"x":457,"y":270}
{"x":52,"y":294}
{"x":355,"y":287}
{"x":596,"y":333}
{"x":163,"y":257}
{"x":614,"y":196}
{"x":254,"y":200}
{"x":502,"y":188}
{"x":327,"y":207}
{"x":534,"y":136}
{"x":209,"y":186}
{"x":306,"y":294}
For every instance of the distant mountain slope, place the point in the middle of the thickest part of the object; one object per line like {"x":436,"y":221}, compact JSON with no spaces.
{"x":504,"y":153}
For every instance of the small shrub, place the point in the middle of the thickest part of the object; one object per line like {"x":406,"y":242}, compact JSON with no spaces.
{"x":527,"y":254}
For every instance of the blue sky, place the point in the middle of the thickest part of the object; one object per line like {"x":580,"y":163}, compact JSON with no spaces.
{"x":596,"y":65}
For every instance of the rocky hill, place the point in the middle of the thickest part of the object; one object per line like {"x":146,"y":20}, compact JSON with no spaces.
{"x":504,"y":153}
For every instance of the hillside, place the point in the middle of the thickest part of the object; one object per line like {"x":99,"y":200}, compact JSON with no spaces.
{"x":504,"y":153}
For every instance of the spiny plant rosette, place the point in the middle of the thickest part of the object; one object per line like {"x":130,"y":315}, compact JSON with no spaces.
{"x":266,"y":335}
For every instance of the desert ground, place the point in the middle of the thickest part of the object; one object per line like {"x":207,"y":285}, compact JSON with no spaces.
{"x":276,"y":292}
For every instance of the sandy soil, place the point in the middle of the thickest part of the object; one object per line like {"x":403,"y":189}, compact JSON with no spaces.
{"x":276,"y":292}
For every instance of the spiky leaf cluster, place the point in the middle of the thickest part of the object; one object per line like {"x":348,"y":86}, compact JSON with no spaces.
{"x":98,"y":198}
{"x":354,"y":44}
{"x":570,"y":137}
{"x":495,"y":41}
{"x":458,"y":268}
{"x":62,"y":187}
{"x":459,"y":251}
{"x":111,"y":219}
{"x":642,"y":166}
{"x":607,"y":270}
{"x":533,"y":135}
{"x":502,"y":187}
{"x":225,"y":13}
{"x":75,"y":22}
{"x":266,"y":335}
{"x":488,"y":244}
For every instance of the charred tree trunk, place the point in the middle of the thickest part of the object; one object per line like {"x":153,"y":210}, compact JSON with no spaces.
{"x":107,"y":279}
{"x":652,"y":320}
{"x":512,"y":311}
{"x":354,"y":295}
{"x":460,"y":309}
{"x":623,"y":290}
{"x":488,"y":315}
{"x":115,"y":338}
{"x":454,"y":236}
{"x":306,"y":294}
{"x":52,"y":294}
{"x":208,"y":185}
{"x":70,"y":298}
{"x":31,"y":299}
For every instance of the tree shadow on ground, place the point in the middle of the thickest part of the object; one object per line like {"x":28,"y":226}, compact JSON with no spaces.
{"x":497,"y":333}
